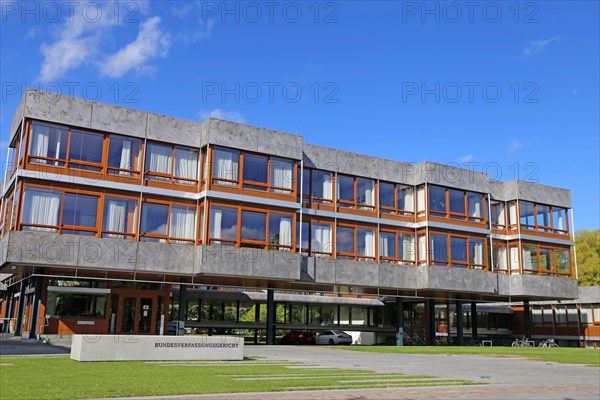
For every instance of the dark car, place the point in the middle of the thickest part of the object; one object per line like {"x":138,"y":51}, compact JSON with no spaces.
{"x":298,"y":337}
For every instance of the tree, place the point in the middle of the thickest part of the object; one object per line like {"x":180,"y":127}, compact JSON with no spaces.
{"x":588,"y":257}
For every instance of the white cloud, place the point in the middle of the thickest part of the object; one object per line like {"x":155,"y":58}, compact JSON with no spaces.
{"x":515,"y":145}
{"x":537,"y":46}
{"x":234,"y":116}
{"x":467,"y":158}
{"x":150,"y":43}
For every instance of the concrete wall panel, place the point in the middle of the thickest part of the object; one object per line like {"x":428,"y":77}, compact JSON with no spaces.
{"x":56,"y":108}
{"x":174,"y":130}
{"x":127,"y":121}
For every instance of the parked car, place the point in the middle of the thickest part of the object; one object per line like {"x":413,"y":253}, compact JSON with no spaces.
{"x":298,"y":337}
{"x":334,"y":337}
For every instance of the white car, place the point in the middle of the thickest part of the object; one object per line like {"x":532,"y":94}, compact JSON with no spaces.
{"x":334,"y":337}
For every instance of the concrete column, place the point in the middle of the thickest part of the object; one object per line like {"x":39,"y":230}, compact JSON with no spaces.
{"x":431,"y":321}
{"x":399,"y":321}
{"x":35,"y":307}
{"x":19,"y":321}
{"x":527,"y":319}
{"x":459,"y":323}
{"x":474,"y":321}
{"x":270,"y":317}
{"x":182,"y":302}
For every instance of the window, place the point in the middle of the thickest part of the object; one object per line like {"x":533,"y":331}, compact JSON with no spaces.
{"x":48,"y":144}
{"x":344,"y":242}
{"x":282,"y":172}
{"x":321,"y":186}
{"x":223,"y":225}
{"x":119,"y":218}
{"x":458,"y":251}
{"x":476,"y":253}
{"x":559,"y":220}
{"x":76,"y":305}
{"x":456,"y":204}
{"x":475,"y":206}
{"x":406,"y":248}
{"x":400,"y":251}
{"x":79,"y":214}
{"x":365,"y":243}
{"x":41,"y":208}
{"x":226,"y":167}
{"x":543,"y":218}
{"x":387,"y":246}
{"x":164,"y":222}
{"x":463,"y":252}
{"x":438,"y":251}
{"x":169,"y":163}
{"x":356,"y":192}
{"x":124,"y":155}
{"x":395,"y":199}
{"x":256,"y":169}
{"x":563,"y":262}
{"x":546,"y":260}
{"x":85,"y":150}
{"x":54,"y":211}
{"x":280,"y":231}
{"x":437,"y":200}
{"x":253,"y":233}
{"x":498,"y":217}
{"x":357,"y":243}
{"x":319,"y":235}
{"x":499,"y":255}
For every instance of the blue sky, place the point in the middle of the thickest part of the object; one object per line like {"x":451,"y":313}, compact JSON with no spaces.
{"x":511,"y":88}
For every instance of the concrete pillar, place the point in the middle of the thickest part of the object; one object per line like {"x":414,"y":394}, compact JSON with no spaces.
{"x":270,"y":317}
{"x":399,"y":322}
{"x":474,"y":321}
{"x":35,"y":307}
{"x":182,"y":302}
{"x":19,"y":321}
{"x":459,"y":323}
{"x":431,"y":321}
{"x":527,"y":319}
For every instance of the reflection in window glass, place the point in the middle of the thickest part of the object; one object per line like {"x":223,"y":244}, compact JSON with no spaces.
{"x":321,"y":238}
{"x":123,"y":153}
{"x":154,"y":219}
{"x":365,"y":242}
{"x":119,"y":216}
{"x":226,"y":166}
{"x":563,"y":264}
{"x":255,"y":170}
{"x":406,"y":246}
{"x":387,"y":197}
{"x":559,"y":219}
{"x":530,"y":258}
{"x":439,"y":248}
{"x":475,"y":206}
{"x":280,"y":229}
{"x":387,"y":244}
{"x":457,"y":201}
{"x":526,"y":216}
{"x":437,"y":199}
{"x":546,"y":261}
{"x":476,"y":251}
{"x":543,"y":218}
{"x":322,"y":185}
{"x":49,"y":141}
{"x":41,"y":207}
{"x":344,"y":239}
{"x":304,"y":244}
{"x":365,"y":191}
{"x":159,"y":159}
{"x":345,"y":188}
{"x":282,"y":172}
{"x":75,"y":305}
{"x":254,"y":226}
{"x":183,"y":222}
{"x":86,"y":146}
{"x":458,"y":250}
{"x":80,"y":210}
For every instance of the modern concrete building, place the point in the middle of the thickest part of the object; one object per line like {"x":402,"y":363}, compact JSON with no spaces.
{"x":119,"y":220}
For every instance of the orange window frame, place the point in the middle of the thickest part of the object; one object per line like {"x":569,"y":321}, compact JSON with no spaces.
{"x":354,"y":255}
{"x":115,"y":171}
{"x":168,"y":238}
{"x":130,"y":236}
{"x":171,"y":177}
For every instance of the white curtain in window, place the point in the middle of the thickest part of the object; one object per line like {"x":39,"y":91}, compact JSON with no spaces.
{"x":115,"y":219}
{"x":41,"y":207}
{"x":285,"y":231}
{"x":501,"y":258}
{"x":421,"y":199}
{"x":226,"y":166}
{"x":369,"y":192}
{"x":126,"y":162}
{"x":408,"y":247}
{"x":281,"y":175}
{"x":327,"y":185}
{"x":183,"y":222}
{"x":321,"y":238}
{"x":408,"y":199}
{"x":186,"y":163}
{"x":422,"y":248}
{"x":474,"y":204}
{"x":41,"y":139}
{"x":501,"y":220}
{"x":370,"y":243}
{"x":160,"y":158}
{"x":216,"y":217}
{"x":514,"y":259}
{"x":560,"y":222}
{"x":384,"y":243}
{"x":512,"y":213}
{"x":478,"y":253}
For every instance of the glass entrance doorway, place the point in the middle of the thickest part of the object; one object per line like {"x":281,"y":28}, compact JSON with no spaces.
{"x":135,"y":313}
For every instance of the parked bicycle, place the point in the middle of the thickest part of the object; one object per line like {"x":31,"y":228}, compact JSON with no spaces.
{"x":525,"y":342}
{"x":548,"y":343}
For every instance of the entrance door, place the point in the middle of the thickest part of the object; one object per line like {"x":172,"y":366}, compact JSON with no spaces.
{"x":145,"y":315}
{"x":128,"y":315}
{"x":136,"y":315}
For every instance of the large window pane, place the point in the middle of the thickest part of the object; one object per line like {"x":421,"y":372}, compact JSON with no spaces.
{"x":154,"y":218}
{"x":280,"y":229}
{"x":159,"y":159}
{"x":457,"y":201}
{"x":559,"y":219}
{"x":255,"y":170}
{"x":41,"y":207}
{"x":405,"y":198}
{"x":50,"y":142}
{"x":321,"y":238}
{"x":223,"y":223}
{"x":387,"y":195}
{"x":475,"y":206}
{"x":406,"y":246}
{"x":345,"y":188}
{"x":365,"y":242}
{"x":76,"y":305}
{"x":546,"y":260}
{"x":458,"y":251}
{"x":476,"y":251}
{"x":186,"y":164}
{"x":254,"y":226}
{"x":282,"y":172}
{"x":80,"y":210}
{"x":119,"y":216}
{"x":526,"y":216}
{"x":183,"y":222}
{"x":226,"y":166}
{"x":304,"y":244}
{"x":437,"y":199}
{"x":87,"y":147}
{"x":562,"y":261}
{"x":530,"y":261}
{"x":322,"y":185}
{"x":365,"y":191}
{"x":123,"y":153}
{"x":439,"y":247}
{"x":344,"y":239}
{"x":387,"y":244}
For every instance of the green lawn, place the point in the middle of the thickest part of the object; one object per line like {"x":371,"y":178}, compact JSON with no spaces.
{"x":565,"y":355}
{"x":62,"y":378}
